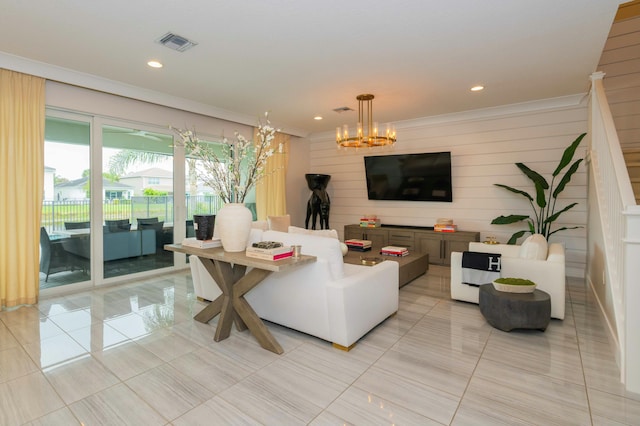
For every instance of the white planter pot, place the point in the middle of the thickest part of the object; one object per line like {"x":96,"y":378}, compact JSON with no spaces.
{"x":233,"y":222}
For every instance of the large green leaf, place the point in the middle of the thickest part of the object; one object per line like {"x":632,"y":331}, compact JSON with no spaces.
{"x":514,"y":237}
{"x":539,"y":181}
{"x":555,"y":216}
{"x":516,"y":191}
{"x":506,"y":220}
{"x":536,"y":177}
{"x":567,"y":156}
{"x":566,"y":178}
{"x":564,"y":228}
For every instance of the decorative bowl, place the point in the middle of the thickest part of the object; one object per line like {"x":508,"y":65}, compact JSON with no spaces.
{"x":370,"y":261}
{"x":519,"y":286}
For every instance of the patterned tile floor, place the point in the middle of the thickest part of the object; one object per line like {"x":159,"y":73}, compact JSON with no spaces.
{"x":132,"y":354}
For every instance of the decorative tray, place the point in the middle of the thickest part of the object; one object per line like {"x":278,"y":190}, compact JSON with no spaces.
{"x":370,"y":261}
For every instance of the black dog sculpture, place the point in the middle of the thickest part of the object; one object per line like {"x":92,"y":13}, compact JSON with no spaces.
{"x":319,"y":202}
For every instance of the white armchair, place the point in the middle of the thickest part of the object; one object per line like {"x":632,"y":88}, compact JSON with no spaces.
{"x":547,"y":273}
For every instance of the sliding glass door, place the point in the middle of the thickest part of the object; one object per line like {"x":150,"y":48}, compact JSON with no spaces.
{"x":138,"y":204}
{"x":65,"y":241}
{"x":108,"y":205}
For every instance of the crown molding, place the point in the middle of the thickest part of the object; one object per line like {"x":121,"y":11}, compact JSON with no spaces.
{"x":89,"y":81}
{"x":550,"y":104}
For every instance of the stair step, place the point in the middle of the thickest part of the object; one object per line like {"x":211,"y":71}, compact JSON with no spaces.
{"x":631,"y":155}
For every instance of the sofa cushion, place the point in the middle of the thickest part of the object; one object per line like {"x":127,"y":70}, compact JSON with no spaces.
{"x":260,"y":224}
{"x":535,"y":247}
{"x":329,"y":233}
{"x":122,"y":225}
{"x":321,"y":247}
{"x":145,"y":220}
{"x":279,"y":223}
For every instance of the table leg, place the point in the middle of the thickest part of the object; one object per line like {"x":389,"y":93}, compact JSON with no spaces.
{"x":210,"y":311}
{"x":215,"y":307}
{"x":233,"y":307}
{"x":248,"y":315}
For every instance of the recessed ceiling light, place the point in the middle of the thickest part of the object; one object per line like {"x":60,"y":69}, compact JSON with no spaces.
{"x":317,"y":117}
{"x":477,"y":88}
{"x":154,"y":64}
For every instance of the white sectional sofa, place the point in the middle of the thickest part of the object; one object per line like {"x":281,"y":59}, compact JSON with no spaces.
{"x":328,"y":299}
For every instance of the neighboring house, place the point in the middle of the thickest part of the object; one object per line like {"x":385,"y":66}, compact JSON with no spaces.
{"x":154,"y":178}
{"x":77,"y":190}
{"x":49,"y":194}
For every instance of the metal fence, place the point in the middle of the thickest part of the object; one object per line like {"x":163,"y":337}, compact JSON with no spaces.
{"x":56,"y":213}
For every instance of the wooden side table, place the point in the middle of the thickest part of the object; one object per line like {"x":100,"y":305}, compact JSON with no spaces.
{"x":508,"y":311}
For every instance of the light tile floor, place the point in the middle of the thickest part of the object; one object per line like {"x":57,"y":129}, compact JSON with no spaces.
{"x":132,"y":354}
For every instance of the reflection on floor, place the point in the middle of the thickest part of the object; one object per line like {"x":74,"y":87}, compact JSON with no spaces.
{"x":132,"y":354}
{"x":112,"y":268}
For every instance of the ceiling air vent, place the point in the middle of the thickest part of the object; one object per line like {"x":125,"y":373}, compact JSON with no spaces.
{"x":342,"y":109}
{"x":176,"y":42}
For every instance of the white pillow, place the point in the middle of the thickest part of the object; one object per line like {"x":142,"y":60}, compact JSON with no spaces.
{"x":279,"y":223}
{"x":330,"y":233}
{"x":260,"y":224}
{"x":535,"y":247}
{"x":326,"y":248}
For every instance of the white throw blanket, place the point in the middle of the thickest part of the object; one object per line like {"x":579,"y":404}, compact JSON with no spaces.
{"x":480,"y":268}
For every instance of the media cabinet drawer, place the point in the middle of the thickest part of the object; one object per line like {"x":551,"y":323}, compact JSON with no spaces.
{"x":401,"y":238}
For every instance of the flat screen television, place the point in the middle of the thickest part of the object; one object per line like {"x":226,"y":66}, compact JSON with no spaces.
{"x":409,"y":177}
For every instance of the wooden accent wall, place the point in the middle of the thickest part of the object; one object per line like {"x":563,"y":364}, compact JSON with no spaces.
{"x":628,"y":10}
{"x":620,"y":61}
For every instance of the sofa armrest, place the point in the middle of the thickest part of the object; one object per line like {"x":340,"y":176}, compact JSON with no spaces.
{"x":359,"y":301}
{"x":204,"y":286}
{"x":549,"y":277}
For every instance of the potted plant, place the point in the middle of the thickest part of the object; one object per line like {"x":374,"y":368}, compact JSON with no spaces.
{"x":546,"y":197}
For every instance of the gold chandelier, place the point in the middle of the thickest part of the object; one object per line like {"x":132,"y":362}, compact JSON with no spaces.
{"x":372,"y":137}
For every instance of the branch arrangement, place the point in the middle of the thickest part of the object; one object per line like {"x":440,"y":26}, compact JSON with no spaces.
{"x":223,"y":172}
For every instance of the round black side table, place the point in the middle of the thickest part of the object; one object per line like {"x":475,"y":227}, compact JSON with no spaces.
{"x":508,"y":311}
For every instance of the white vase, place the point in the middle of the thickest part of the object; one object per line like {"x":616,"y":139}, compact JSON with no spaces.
{"x":233,"y":222}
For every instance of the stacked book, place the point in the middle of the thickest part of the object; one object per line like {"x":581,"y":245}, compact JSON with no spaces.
{"x":394,"y":251}
{"x":370,"y":222}
{"x":269,"y":250}
{"x":193,"y":242}
{"x":445,"y":228}
{"x":445,"y":225}
{"x":358,"y":245}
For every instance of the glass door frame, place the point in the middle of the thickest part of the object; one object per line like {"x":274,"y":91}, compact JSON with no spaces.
{"x":96,"y":123}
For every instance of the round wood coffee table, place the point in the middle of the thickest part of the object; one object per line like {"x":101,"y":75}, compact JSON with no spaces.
{"x":508,"y":311}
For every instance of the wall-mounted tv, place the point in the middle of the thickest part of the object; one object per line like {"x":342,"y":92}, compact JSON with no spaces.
{"x":409,"y":177}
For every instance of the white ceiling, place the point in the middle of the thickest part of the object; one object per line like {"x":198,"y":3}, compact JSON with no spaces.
{"x":301,"y":58}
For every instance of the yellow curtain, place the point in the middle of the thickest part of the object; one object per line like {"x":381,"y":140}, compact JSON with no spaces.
{"x":271,"y":198}
{"x":22,"y":117}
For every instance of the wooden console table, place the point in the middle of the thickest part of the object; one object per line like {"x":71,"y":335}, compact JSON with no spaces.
{"x":228,"y":271}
